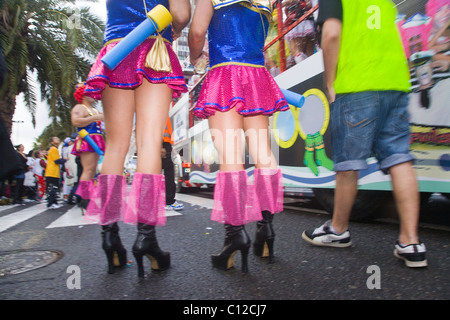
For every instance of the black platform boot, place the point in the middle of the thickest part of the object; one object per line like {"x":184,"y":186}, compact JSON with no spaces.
{"x":112,"y":245}
{"x":147,"y":244}
{"x":236,"y":238}
{"x":265,"y":236}
{"x":83,"y":204}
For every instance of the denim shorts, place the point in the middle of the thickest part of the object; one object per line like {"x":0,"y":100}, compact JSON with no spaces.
{"x":366,"y":124}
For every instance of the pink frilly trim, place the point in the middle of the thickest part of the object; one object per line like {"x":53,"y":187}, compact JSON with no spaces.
{"x":146,"y":202}
{"x":108,"y":200}
{"x":235,"y":200}
{"x":130,"y":72}
{"x":85,"y":188}
{"x":269,"y":188}
{"x":251,"y":90}
{"x":81,"y":145}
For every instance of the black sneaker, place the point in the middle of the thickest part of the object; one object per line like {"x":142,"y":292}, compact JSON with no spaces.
{"x":413,"y":254}
{"x":323,"y":236}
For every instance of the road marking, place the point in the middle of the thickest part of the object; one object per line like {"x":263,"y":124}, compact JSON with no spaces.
{"x":12,"y":219}
{"x":9,"y":206}
{"x":72,"y":217}
{"x":193,"y":200}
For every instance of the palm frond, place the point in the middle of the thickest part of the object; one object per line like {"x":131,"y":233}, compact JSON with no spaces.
{"x":53,"y":40}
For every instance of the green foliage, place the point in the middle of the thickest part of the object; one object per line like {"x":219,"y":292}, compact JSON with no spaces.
{"x":49,"y":45}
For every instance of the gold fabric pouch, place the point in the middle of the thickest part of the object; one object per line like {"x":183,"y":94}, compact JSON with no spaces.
{"x":158,"y":56}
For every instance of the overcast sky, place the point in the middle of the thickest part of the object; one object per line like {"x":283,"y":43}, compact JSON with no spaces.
{"x":23,"y":131}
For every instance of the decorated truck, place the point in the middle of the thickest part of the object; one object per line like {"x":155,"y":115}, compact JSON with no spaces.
{"x":301,"y":136}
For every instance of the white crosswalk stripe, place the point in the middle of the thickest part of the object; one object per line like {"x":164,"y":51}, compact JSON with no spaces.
{"x":73,"y":216}
{"x":9,"y":206}
{"x":202,"y":202}
{"x":15,"y":218}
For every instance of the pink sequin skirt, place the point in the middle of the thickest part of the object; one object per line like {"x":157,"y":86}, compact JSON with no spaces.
{"x":81,"y":145}
{"x":251,"y":90}
{"x":130,"y":72}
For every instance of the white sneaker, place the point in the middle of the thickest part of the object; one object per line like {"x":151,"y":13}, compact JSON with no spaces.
{"x":414,"y":255}
{"x":55,"y":206}
{"x":175,"y":206}
{"x":323,"y":236}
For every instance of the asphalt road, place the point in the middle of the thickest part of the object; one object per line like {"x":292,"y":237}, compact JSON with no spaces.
{"x":367,"y":270}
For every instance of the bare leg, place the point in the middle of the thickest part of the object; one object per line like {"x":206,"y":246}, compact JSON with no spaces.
{"x":405,"y":188}
{"x":231,"y":198}
{"x":344,"y":198}
{"x":152,"y":110}
{"x":258,"y":141}
{"x":118,"y":112}
{"x":226,"y":131}
{"x":89,"y":162}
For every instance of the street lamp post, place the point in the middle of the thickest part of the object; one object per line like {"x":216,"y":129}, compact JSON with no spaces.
{"x":17,"y":132}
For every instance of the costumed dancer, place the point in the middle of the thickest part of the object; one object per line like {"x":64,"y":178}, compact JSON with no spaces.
{"x":239,"y":94}
{"x":85,"y":116}
{"x":135,"y":86}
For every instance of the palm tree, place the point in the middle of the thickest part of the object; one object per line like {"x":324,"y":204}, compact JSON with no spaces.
{"x":49,"y":45}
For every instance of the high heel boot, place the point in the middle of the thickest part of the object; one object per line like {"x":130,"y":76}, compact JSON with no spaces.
{"x":269,"y":188}
{"x":236,"y":238}
{"x":264,"y":238}
{"x":112,"y":245}
{"x":147,"y":244}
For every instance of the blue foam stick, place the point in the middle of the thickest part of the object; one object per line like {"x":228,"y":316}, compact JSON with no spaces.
{"x":145,"y":29}
{"x":293,"y":98}
{"x":85,"y":135}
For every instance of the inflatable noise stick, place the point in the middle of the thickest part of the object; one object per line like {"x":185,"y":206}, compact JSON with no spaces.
{"x":293,"y":98}
{"x":157,"y":19}
{"x":85,"y":135}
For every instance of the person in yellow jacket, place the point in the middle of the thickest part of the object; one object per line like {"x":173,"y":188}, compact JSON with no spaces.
{"x":367,"y":79}
{"x":53,"y":173}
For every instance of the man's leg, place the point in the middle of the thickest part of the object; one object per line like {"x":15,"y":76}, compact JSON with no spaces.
{"x":334,"y":233}
{"x":344,"y":198}
{"x":406,"y":194}
{"x":169,"y":175}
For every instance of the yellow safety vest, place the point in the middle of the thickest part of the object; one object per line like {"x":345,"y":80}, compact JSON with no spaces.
{"x":371,"y":56}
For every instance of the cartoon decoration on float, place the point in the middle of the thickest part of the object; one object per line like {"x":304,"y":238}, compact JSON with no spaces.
{"x":426,"y":40}
{"x":310,"y":122}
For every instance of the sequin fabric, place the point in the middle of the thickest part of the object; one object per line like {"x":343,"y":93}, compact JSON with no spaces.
{"x":236,"y":34}
{"x":108,"y":200}
{"x":235,"y":200}
{"x":251,"y":90}
{"x":81,"y":145}
{"x":238,"y":78}
{"x":147,"y":200}
{"x":269,"y":188}
{"x":125,"y":15}
{"x":130,"y":73}
{"x":85,"y":188}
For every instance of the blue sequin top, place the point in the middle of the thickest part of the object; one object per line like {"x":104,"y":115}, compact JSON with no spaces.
{"x":125,"y":15}
{"x":236,"y":34}
{"x":92,"y":128}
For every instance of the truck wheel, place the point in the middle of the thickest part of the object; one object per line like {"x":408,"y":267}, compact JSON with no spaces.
{"x":366,"y":205}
